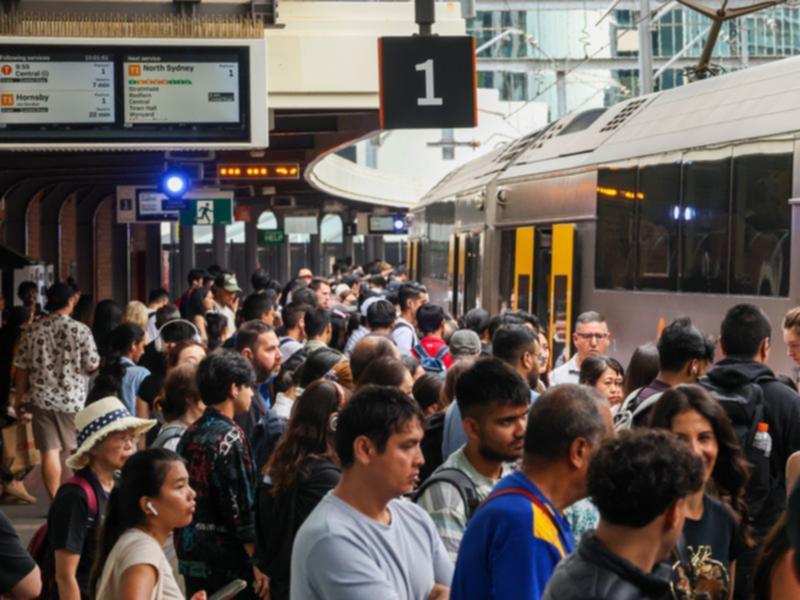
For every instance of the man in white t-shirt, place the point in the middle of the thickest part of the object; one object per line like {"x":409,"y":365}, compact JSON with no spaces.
{"x":411,"y":296}
{"x":591,"y":338}
{"x":362,"y":541}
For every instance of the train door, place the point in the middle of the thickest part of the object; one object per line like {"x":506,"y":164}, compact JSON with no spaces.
{"x":452,"y":273}
{"x":523,"y":269}
{"x":561,"y":296}
{"x":473,"y":276}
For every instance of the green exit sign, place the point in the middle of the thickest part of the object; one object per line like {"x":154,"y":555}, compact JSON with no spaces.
{"x":271,"y":236}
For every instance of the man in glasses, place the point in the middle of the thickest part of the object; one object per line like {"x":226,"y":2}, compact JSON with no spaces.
{"x":591,"y":338}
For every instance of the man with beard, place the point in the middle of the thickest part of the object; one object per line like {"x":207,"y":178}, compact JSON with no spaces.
{"x":519,"y":535}
{"x":518,"y":346}
{"x":258,"y":343}
{"x":494,"y":401}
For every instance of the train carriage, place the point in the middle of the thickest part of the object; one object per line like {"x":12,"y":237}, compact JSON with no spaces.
{"x":675,"y":203}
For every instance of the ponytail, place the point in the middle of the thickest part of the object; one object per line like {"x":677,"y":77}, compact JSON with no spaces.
{"x":143,"y":475}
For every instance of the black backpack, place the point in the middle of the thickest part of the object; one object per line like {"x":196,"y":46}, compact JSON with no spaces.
{"x":458,"y":479}
{"x":745,"y":408}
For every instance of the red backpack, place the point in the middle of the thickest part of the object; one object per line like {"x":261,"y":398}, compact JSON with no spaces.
{"x":39,"y":548}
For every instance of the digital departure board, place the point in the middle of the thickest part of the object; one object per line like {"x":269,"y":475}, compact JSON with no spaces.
{"x":64,"y":88}
{"x":163,"y":89}
{"x":133,"y":93}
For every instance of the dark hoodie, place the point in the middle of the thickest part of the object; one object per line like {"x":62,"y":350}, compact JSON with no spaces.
{"x":593,"y":572}
{"x":782,"y":413}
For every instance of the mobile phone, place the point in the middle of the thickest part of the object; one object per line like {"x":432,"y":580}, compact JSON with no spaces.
{"x":230,"y":590}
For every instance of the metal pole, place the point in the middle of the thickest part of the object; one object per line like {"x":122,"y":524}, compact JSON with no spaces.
{"x":424,"y":16}
{"x":561,"y":93}
{"x":645,"y":50}
{"x":744,"y":42}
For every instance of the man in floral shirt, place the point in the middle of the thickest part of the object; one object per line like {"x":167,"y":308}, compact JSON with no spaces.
{"x":55,"y":356}
{"x":219,"y":544}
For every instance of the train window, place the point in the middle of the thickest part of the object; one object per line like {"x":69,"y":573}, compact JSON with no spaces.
{"x":616,"y":228}
{"x":703,"y":215}
{"x":508,"y":245}
{"x":659,"y":193}
{"x":762,"y":186}
{"x":439,"y":219}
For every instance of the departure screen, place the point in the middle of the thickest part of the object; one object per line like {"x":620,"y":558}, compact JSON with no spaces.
{"x":126,"y":94}
{"x":56,"y":88}
{"x":161,"y":89}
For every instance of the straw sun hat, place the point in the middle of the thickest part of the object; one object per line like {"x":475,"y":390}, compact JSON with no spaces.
{"x":96,"y":421}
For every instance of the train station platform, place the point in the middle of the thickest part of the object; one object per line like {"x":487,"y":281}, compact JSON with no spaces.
{"x":60,"y":208}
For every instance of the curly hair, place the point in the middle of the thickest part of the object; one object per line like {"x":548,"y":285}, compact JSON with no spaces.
{"x":731,"y":470}
{"x":308,"y":435}
{"x":638,"y":475}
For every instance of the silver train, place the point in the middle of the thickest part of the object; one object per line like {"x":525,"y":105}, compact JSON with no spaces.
{"x":682,"y":202}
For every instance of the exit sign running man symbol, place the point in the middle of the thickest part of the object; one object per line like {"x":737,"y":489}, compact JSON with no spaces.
{"x":205,"y":212}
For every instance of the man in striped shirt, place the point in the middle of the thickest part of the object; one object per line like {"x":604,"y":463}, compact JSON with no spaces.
{"x":494,"y":402}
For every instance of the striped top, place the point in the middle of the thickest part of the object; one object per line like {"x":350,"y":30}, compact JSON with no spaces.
{"x":445,"y":505}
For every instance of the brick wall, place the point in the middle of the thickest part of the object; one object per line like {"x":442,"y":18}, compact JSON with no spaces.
{"x":67,"y":250}
{"x":33,"y":227}
{"x":103,"y":259}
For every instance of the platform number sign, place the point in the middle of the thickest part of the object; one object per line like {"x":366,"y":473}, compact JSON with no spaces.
{"x":427,"y":82}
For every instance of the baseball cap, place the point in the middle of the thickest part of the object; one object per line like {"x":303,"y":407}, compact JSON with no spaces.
{"x":465,"y":342}
{"x":227,"y":281}
{"x":58,"y":295}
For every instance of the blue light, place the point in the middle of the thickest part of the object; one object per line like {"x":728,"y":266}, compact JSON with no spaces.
{"x":689,"y":213}
{"x":399,"y":224}
{"x":174,"y":184}
{"x":676,"y":212}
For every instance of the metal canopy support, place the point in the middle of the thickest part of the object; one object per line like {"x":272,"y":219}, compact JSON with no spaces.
{"x":645,"y":50}
{"x":718,"y":17}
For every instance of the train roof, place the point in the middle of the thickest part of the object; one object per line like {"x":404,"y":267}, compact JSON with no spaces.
{"x":752,"y":103}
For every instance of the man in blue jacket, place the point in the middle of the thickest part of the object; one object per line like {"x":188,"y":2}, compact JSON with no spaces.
{"x":514,"y":542}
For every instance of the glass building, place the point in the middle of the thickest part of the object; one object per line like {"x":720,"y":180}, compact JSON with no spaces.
{"x":592,"y":57}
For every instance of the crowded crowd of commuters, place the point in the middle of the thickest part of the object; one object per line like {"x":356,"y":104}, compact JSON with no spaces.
{"x":345,"y":438}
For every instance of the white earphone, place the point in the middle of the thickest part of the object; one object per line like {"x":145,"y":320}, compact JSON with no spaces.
{"x":158,"y":342}
{"x":151,"y":508}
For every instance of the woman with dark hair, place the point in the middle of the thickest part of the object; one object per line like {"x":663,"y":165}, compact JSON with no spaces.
{"x":302,"y":469}
{"x":426,"y":392}
{"x":180,"y":405}
{"x":198,"y":304}
{"x":339,"y":331}
{"x":478,"y":321}
{"x":286,"y":384}
{"x":216,"y":330}
{"x":318,"y":365}
{"x":186,"y":352}
{"x":387,"y":371}
{"x":153,"y":497}
{"x":604,"y":374}
{"x":125,"y":348}
{"x":642,"y":368}
{"x":107,"y":315}
{"x":716,"y":525}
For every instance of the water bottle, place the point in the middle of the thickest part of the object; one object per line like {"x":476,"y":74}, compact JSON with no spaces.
{"x":762,"y":439}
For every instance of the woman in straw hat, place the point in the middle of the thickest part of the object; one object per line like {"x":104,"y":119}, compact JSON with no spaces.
{"x":152,"y":498}
{"x":107,"y":436}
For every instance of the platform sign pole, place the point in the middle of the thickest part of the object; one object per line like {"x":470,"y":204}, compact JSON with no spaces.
{"x":424,"y":16}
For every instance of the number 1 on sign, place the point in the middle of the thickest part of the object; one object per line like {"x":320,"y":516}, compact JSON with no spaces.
{"x":430,"y":99}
